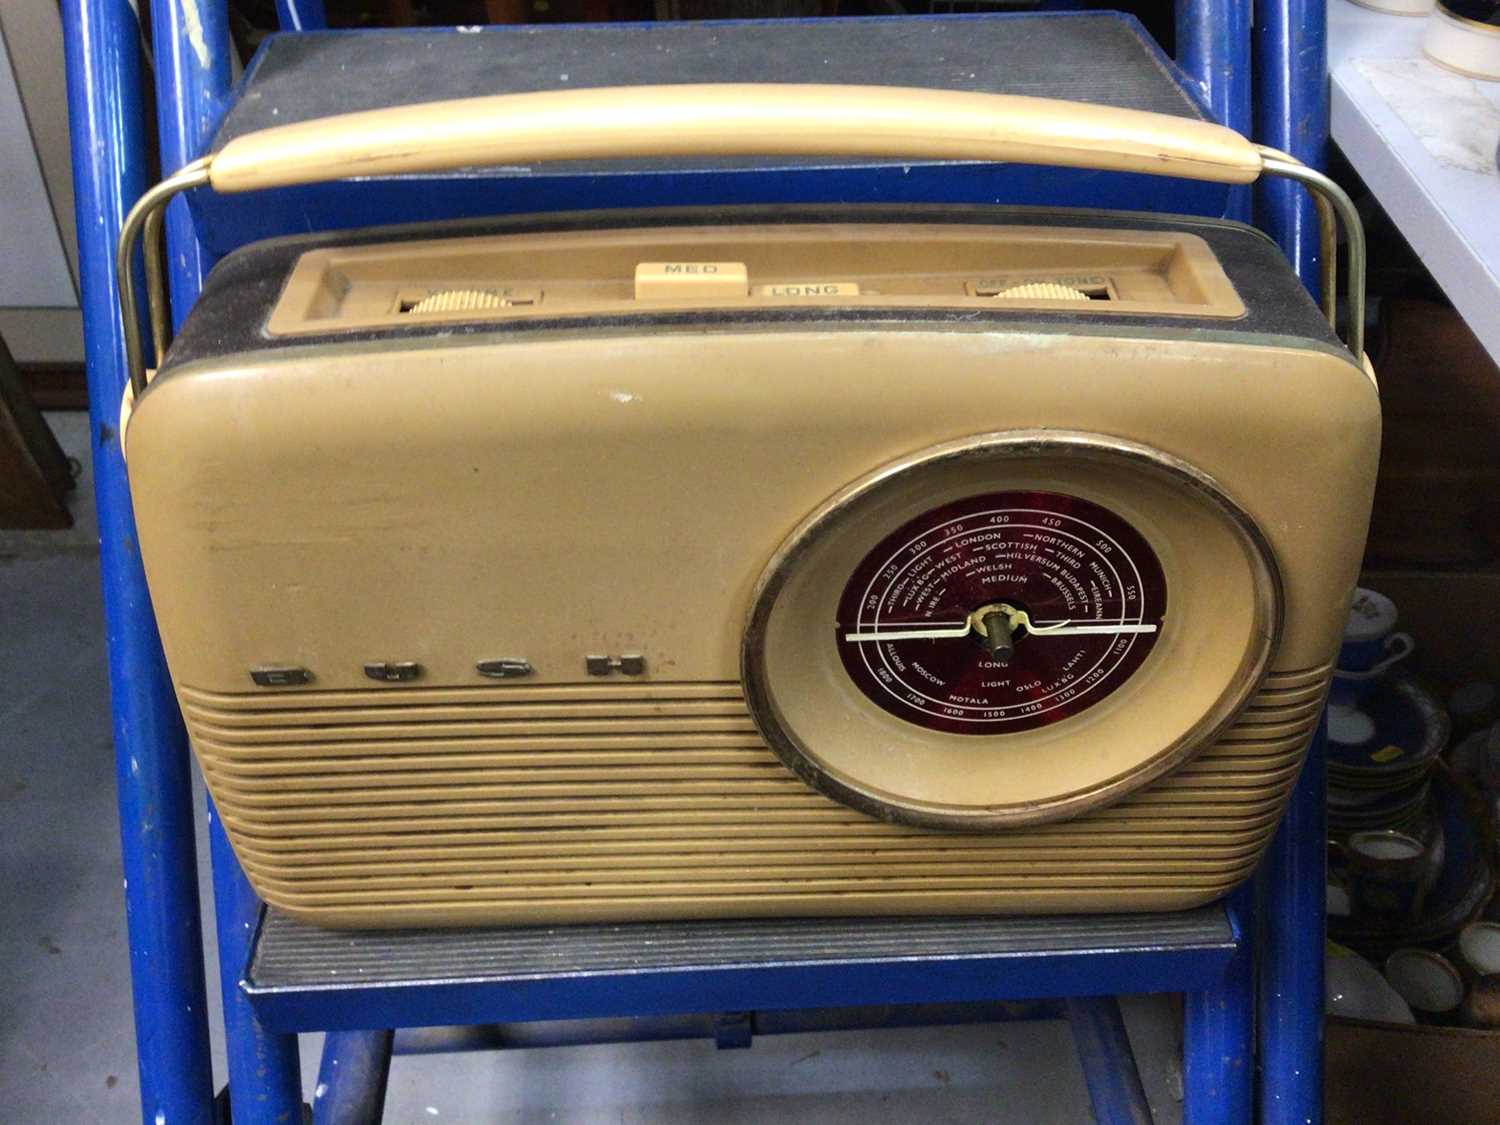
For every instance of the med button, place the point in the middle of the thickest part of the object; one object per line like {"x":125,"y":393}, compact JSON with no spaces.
{"x":676,"y":280}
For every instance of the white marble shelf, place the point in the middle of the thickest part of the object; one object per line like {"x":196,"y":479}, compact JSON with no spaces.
{"x":1423,"y":140}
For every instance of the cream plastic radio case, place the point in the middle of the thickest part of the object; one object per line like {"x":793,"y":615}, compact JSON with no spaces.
{"x":755,"y":562}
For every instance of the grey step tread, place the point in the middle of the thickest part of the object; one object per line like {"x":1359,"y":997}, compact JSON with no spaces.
{"x":292,"y":955}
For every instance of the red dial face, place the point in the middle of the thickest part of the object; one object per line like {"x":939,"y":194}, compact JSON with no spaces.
{"x":1002,"y":612}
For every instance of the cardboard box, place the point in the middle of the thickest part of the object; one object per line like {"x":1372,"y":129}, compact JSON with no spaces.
{"x":1378,"y":1073}
{"x":1399,"y":1074}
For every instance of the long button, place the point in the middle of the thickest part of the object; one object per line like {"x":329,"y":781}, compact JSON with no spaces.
{"x":657,"y":280}
{"x":809,"y":289}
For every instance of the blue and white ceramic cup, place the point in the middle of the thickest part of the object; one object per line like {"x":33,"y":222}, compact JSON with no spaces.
{"x":1371,"y":647}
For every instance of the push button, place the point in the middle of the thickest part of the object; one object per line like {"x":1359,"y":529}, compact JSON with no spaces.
{"x":393,"y":671}
{"x":657,"y":280}
{"x":280,"y":675}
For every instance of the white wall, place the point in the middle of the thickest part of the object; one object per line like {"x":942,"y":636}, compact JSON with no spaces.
{"x":38,"y":296}
{"x":33,"y":269}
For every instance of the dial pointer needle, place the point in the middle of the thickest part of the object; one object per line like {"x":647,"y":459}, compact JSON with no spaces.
{"x":1017,"y":617}
{"x":1067,"y":628}
{"x":940,"y":633}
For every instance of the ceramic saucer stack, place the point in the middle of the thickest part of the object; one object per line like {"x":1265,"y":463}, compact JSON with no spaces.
{"x":1356,"y":810}
{"x":1380,"y":752}
{"x":1385,"y":775}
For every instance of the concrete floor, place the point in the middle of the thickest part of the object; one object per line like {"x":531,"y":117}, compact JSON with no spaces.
{"x":67,"y":1050}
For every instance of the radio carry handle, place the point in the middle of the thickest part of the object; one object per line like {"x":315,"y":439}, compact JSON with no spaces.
{"x":724,"y":119}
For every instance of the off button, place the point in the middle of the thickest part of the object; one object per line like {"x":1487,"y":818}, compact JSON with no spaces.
{"x":676,"y":280}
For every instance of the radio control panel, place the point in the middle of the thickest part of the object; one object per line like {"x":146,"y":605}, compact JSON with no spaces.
{"x":614,"y":273}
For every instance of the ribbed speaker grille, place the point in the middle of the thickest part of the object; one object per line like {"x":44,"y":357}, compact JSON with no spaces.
{"x":412,"y":806}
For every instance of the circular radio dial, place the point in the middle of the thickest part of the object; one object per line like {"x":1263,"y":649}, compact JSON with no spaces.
{"x":1001,"y":612}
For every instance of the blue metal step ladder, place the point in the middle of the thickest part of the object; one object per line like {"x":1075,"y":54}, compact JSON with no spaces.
{"x":1252,"y":992}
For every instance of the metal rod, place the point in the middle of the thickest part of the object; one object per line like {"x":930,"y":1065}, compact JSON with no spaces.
{"x":1321,"y":186}
{"x":657,"y":1028}
{"x":1109,"y":1068}
{"x":156,"y":285}
{"x":1327,"y":239}
{"x":135,"y":222}
{"x":1328,"y":275}
{"x":153,"y":779}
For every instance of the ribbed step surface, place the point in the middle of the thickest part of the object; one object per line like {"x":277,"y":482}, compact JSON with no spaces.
{"x":293,"y":955}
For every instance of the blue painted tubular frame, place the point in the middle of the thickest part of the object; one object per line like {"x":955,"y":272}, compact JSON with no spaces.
{"x":1213,"y":48}
{"x":1291,"y":113}
{"x":352,"y":1078}
{"x":1291,"y":57}
{"x":301,"y":15}
{"x":1109,"y":1069}
{"x":1291,"y":934}
{"x":637,"y":1029}
{"x":265,"y":1073}
{"x":1219,"y":1033}
{"x":192,"y":90}
{"x":106,"y":120}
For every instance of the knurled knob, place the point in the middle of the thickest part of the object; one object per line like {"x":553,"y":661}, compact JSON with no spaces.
{"x":1042,"y":291}
{"x":459,"y":300}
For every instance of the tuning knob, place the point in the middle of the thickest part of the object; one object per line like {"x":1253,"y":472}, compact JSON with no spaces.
{"x":1042,"y":291}
{"x":458,"y":300}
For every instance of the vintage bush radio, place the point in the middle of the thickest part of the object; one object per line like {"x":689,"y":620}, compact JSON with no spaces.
{"x":755,"y":562}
